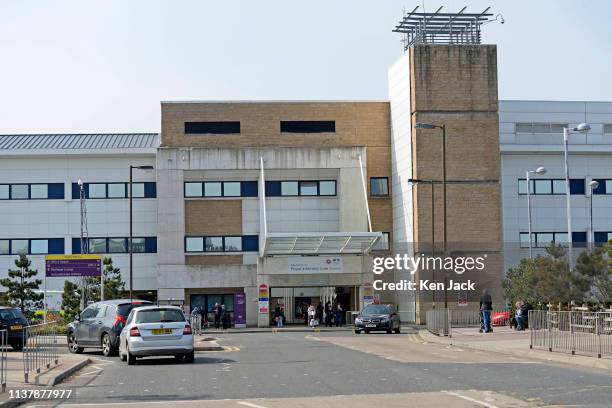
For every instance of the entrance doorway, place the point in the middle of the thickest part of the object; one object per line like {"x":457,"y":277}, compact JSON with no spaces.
{"x":295,"y":301}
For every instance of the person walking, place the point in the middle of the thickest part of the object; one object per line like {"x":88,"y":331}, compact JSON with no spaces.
{"x":217,"y":312}
{"x":311,"y":315}
{"x":339,"y":315}
{"x":486,"y":306}
{"x":278,"y":315}
{"x":225,"y":318}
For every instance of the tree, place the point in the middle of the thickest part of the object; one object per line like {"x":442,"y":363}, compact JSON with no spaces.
{"x":113,"y":285}
{"x":596,"y":266}
{"x":21,"y":287}
{"x":520,"y":282}
{"x":71,"y":300}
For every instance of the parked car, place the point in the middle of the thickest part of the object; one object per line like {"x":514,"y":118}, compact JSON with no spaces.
{"x":99,"y":325}
{"x":156,"y":331}
{"x":13,"y":321}
{"x":500,"y":318}
{"x":376,"y":317}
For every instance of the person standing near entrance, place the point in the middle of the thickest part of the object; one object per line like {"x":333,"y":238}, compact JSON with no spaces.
{"x":319,"y":313}
{"x":328,"y":314}
{"x":338,"y":315}
{"x":311,"y":315}
{"x":278,"y":315}
{"x":486,"y":306}
{"x":217,"y":311}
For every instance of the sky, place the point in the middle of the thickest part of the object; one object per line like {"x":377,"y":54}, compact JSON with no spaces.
{"x":91,"y":66}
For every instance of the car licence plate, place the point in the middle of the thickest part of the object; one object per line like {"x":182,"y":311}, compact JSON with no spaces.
{"x":370,"y":325}
{"x":162,"y":331}
{"x":16,"y":327}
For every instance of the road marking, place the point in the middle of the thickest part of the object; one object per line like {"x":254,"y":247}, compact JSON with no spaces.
{"x":465,"y":397}
{"x":248,"y":404}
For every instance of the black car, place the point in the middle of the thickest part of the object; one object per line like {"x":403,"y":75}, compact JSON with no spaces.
{"x":13,"y":321}
{"x":99,"y":325}
{"x":378,"y":318}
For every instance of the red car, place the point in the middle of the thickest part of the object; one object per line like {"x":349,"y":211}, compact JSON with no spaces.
{"x":500,"y":318}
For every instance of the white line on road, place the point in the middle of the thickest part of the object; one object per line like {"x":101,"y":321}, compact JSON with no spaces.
{"x":465,"y":397}
{"x":248,"y":404}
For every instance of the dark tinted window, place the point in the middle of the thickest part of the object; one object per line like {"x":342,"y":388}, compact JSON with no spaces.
{"x":11,"y":315}
{"x":308,"y":126}
{"x":160,"y":315}
{"x":213,"y":128}
{"x":126,"y":308}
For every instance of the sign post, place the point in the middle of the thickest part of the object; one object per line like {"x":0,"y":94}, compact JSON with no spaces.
{"x":264,"y":298}
{"x":240,"y":310}
{"x":70,"y":266}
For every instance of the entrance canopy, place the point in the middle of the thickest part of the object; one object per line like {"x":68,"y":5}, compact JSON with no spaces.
{"x":324,"y":243}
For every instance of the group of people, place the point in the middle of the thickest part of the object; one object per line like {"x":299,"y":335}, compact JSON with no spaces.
{"x":331,"y":314}
{"x":519,"y":321}
{"x":521,"y":315}
{"x":220,"y":315}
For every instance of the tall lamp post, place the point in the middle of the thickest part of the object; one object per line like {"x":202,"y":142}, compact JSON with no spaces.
{"x":131,"y":226}
{"x":420,"y":125}
{"x":593,"y":185}
{"x":433,"y":230}
{"x":582,"y":128}
{"x":539,"y":171}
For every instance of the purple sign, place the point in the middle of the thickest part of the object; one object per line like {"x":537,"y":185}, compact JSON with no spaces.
{"x":240,"y":309}
{"x":72,"y":267}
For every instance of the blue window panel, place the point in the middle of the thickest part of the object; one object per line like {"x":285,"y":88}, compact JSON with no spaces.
{"x":76,"y":245}
{"x":273,"y":188}
{"x":150,"y":190}
{"x":601,"y":237}
{"x":55,"y":191}
{"x":56,"y":245}
{"x":250,"y":243}
{"x":579,"y":237}
{"x":151,"y":245}
{"x":76,"y":191}
{"x":249,"y":188}
{"x":601,"y":189}
{"x":577,"y":186}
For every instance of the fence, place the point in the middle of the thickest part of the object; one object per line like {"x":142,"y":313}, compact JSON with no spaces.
{"x":441,"y":321}
{"x":3,"y":358}
{"x":39,"y":348}
{"x":575,"y":331}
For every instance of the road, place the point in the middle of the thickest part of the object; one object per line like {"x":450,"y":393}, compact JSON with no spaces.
{"x":338,"y":369}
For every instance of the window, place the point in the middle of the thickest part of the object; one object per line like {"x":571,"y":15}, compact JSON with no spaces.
{"x":308,"y":126}
{"x":19,"y":191}
{"x":607,"y":128}
{"x":89,"y":313}
{"x":245,"y":243}
{"x":39,"y":246}
{"x":212,"y":189}
{"x":309,"y":188}
{"x":138,"y":245}
{"x":231,"y":189}
{"x":4,"y":191}
{"x":289,"y":188}
{"x":383,"y":243}
{"x":249,"y":188}
{"x":543,"y":187}
{"x":193,"y":190}
{"x":600,"y":237}
{"x":116,"y":190}
{"x":327,"y":188}
{"x":101,"y":312}
{"x":551,"y":186}
{"x":379,"y":186}
{"x":97,"y":190}
{"x":39,"y":191}
{"x":4,"y":246}
{"x":138,"y":190}
{"x":539,"y":127}
{"x":544,"y":239}
{"x":214,"y":244}
{"x":117,"y":245}
{"x":211,"y":128}
{"x":605,"y":187}
{"x":19,"y":246}
{"x":97,"y":245}
{"x":558,"y":187}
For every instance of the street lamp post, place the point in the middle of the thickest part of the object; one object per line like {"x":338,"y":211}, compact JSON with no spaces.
{"x":131,"y":226}
{"x":420,"y":125}
{"x":433,"y":231}
{"x":581,"y":128}
{"x":538,"y":171}
{"x":593,"y":185}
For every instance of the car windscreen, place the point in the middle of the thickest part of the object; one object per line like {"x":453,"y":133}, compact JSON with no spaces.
{"x":125,"y":309}
{"x":376,"y":309}
{"x":160,"y":316}
{"x":11,"y":315}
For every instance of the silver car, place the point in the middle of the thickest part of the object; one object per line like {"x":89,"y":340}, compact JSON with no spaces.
{"x":156,"y":331}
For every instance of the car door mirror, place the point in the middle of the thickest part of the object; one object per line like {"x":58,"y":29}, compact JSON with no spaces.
{"x":77,"y":317}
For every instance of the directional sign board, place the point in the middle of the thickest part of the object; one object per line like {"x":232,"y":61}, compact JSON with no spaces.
{"x":73,"y":265}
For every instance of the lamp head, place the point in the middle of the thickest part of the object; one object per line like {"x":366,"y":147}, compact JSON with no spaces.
{"x":421,"y":125}
{"x":80,"y":182}
{"x":594,"y":184}
{"x":582,"y":128}
{"x":540,"y":170}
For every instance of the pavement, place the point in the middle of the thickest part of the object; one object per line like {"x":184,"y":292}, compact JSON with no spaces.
{"x":336,"y":369}
{"x":511,"y":342}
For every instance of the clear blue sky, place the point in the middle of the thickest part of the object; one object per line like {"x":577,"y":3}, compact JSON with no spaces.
{"x":103,"y":66}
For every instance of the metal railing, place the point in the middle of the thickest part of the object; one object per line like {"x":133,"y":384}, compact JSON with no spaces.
{"x":571,"y":331}
{"x":39,"y":348}
{"x":196,"y":323}
{"x":3,"y":358}
{"x":442,"y":321}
